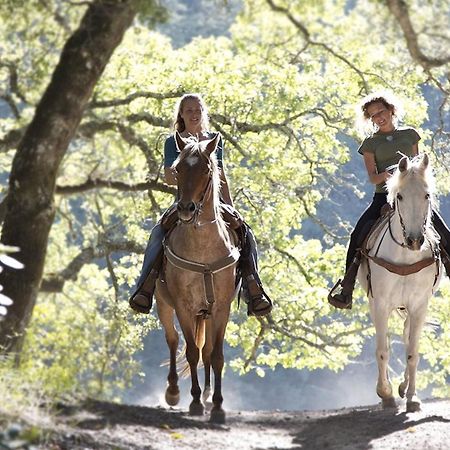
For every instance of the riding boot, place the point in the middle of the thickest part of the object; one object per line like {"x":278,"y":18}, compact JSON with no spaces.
{"x":343,"y":298}
{"x":258,"y":302}
{"x":142,"y":300}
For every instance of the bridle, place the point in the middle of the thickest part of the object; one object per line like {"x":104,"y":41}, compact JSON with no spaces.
{"x":207,"y":192}
{"x":402,"y":223}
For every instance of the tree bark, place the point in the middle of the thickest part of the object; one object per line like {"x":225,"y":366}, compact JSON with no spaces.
{"x":30,"y":205}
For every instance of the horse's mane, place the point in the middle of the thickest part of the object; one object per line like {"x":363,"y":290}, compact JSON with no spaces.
{"x":414,"y":172}
{"x":193,"y":148}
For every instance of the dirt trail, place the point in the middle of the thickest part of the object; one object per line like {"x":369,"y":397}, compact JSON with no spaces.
{"x":101,"y":425}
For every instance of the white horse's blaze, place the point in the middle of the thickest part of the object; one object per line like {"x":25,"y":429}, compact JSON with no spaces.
{"x":412,"y":239}
{"x":192,"y":160}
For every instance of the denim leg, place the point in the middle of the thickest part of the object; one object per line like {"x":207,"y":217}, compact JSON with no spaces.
{"x":154,"y":246}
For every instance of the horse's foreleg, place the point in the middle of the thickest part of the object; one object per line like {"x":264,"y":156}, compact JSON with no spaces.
{"x":412,"y":355}
{"x":404,"y":384}
{"x":217,"y":361}
{"x":384,"y":387}
{"x":206,"y":356}
{"x":189,"y":326}
{"x":166,"y":316}
{"x":193,"y":355}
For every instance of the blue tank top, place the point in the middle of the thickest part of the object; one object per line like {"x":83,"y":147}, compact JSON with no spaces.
{"x":171,"y":152}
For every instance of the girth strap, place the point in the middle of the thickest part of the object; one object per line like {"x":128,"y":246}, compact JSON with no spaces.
{"x":402,"y":270}
{"x":208,"y":270}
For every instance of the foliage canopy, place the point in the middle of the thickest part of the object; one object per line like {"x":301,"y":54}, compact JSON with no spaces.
{"x":281,"y":89}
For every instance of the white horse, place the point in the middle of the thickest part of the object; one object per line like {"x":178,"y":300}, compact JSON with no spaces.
{"x":402,"y":270}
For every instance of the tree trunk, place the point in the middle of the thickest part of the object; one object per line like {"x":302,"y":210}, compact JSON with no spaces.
{"x":30,"y":206}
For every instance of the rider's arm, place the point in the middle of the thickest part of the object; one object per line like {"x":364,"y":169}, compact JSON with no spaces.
{"x":170,"y":155}
{"x":372,"y":172}
{"x":225,"y":194}
{"x":224,"y":189}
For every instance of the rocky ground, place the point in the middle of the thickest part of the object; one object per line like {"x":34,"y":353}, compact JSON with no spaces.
{"x":102,"y":425}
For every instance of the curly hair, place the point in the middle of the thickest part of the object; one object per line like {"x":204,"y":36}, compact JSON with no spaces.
{"x":178,"y":123}
{"x":388,"y":99}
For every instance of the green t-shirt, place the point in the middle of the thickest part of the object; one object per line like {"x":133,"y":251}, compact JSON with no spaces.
{"x":385,"y":147}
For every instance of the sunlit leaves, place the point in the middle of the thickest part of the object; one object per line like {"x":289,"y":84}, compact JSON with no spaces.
{"x":284,"y":100}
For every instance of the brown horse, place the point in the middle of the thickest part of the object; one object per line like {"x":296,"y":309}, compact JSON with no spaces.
{"x":199,"y":274}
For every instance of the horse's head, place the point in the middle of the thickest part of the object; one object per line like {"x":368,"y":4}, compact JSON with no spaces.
{"x":196,"y":169}
{"x":410,"y":192}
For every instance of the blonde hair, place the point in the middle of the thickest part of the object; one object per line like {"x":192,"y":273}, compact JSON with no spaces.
{"x":363,"y":122}
{"x":178,"y":123}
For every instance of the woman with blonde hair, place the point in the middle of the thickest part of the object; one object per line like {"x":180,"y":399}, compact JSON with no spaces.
{"x":191,"y":120}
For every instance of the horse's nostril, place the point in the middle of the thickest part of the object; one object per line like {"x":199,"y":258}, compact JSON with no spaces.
{"x":191,"y":207}
{"x":409,"y":242}
{"x":421,"y":240}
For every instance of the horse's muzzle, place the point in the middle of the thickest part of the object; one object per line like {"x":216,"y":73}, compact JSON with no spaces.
{"x":186,"y":211}
{"x":415,"y":243}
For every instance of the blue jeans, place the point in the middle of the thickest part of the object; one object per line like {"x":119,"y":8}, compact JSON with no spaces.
{"x":154,"y":247}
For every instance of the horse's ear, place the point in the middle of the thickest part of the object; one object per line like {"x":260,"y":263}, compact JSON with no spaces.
{"x":212,"y":144}
{"x":424,"y":162}
{"x":403,"y":164}
{"x":179,"y":141}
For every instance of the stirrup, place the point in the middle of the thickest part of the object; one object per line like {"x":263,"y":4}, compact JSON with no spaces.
{"x":255,"y":297}
{"x":143,"y":309}
{"x":256,"y":301}
{"x":333,"y":299}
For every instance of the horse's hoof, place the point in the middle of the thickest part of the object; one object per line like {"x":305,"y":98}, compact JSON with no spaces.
{"x":384,"y":392}
{"x":388,"y":402}
{"x":413,"y":405}
{"x":196,"y":409}
{"x":172,"y":396}
{"x":217,"y":416}
{"x":402,"y":389}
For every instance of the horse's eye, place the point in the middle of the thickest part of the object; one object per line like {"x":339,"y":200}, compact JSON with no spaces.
{"x":399,"y":197}
{"x":427,"y":196}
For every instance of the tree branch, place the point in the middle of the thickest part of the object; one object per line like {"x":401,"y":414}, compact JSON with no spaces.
{"x":139,"y":94}
{"x":95,"y":183}
{"x":55,"y":282}
{"x":304,"y":31}
{"x":399,"y":9}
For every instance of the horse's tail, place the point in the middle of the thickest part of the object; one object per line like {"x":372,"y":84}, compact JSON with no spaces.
{"x":200,"y":333}
{"x":200,"y":338}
